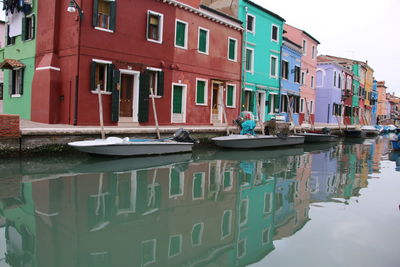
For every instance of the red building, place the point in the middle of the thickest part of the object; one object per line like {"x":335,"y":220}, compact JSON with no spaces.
{"x":347,"y":94}
{"x":188,"y":54}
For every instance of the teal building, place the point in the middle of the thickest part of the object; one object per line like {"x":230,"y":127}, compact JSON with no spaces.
{"x":262,"y":42}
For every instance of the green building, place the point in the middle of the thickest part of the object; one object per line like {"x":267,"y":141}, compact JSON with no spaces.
{"x":355,"y":98}
{"x":262,"y":40}
{"x":18,"y":62}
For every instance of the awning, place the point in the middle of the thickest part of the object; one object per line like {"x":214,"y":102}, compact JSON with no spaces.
{"x":11,"y":64}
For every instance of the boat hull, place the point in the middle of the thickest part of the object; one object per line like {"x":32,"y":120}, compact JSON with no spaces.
{"x":318,"y":138}
{"x":257,"y":141}
{"x":354,"y":133}
{"x":133,"y":148}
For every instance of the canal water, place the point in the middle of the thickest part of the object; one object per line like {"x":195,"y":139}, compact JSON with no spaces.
{"x":310,"y":205}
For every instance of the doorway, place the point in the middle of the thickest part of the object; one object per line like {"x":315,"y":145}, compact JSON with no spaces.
{"x":216,"y":103}
{"x":261,"y":105}
{"x":128,"y":96}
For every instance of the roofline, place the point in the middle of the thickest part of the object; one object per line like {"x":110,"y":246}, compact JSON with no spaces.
{"x":291,"y":42}
{"x":220,"y":13}
{"x":265,"y":10}
{"x":306,"y":33}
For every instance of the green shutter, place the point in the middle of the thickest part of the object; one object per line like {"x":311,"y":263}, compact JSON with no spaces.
{"x":10,"y":82}
{"x":227,"y":179}
{"x":21,"y":81}
{"x":95,"y":12}
{"x":113,"y":10}
{"x":229,"y":101}
{"x":232,"y":52}
{"x":196,"y":234}
{"x":177,"y":100}
{"x":175,"y":183}
{"x":273,"y":66}
{"x":203,"y":41}
{"x":33,"y":26}
{"x":198,"y":185}
{"x":115,"y":96}
{"x":276,"y":103}
{"x":144,"y":96}
{"x":24,"y":33}
{"x":92,"y":76}
{"x":110,"y":76}
{"x":248,"y":59}
{"x":160,"y":83}
{"x":200,"y":93}
{"x":180,"y":34}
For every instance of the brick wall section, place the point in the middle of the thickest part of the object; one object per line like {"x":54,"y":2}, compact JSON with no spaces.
{"x":9,"y":126}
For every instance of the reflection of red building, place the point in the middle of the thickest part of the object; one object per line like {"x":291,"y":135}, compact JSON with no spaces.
{"x":179,"y":50}
{"x":347,"y":94}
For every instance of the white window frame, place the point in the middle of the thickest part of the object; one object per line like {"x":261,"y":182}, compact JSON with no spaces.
{"x":313,"y":52}
{"x":207,"y":43}
{"x":180,"y":245}
{"x":312,"y":81}
{"x":277,"y":33}
{"x":299,"y":68}
{"x":201,"y":234}
{"x":31,"y":28}
{"x":270,"y":202}
{"x":288,"y":70}
{"x":276,"y":67}
{"x":245,"y":248}
{"x":254,"y":23}
{"x":302,"y":105}
{"x":268,"y":229}
{"x":186,"y":34}
{"x":272,"y":103}
{"x":245,"y":202}
{"x":228,"y":188}
{"x":203,"y":179}
{"x":252,"y":60}
{"x":108,"y":63}
{"x":311,"y":107}
{"x":236,"y":45}
{"x":303,"y":77}
{"x":161,"y":27}
{"x":230,"y":224}
{"x":154,"y":70}
{"x":304,"y":47}
{"x":16,"y":83}
{"x":234,"y":95}
{"x":184,"y":103}
{"x":205,"y":92}
{"x":154,"y":241}
{"x":182,"y":184}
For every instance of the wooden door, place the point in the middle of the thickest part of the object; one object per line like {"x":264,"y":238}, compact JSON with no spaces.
{"x":126,"y":96}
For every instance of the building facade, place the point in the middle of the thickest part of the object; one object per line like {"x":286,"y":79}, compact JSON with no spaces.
{"x":308,"y":71}
{"x":382,"y":113}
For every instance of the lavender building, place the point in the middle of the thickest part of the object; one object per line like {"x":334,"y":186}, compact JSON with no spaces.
{"x":330,"y":82}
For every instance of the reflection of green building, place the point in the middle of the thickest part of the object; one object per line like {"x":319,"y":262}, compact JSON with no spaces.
{"x":255,"y":222}
{"x":20,"y":228}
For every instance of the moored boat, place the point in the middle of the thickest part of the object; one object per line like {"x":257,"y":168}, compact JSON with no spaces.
{"x":354,"y":133}
{"x":115,"y":146}
{"x":317,"y":138}
{"x":370,"y":130}
{"x":256,"y":141}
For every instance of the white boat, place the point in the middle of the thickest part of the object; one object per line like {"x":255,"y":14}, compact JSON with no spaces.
{"x":256,"y":141}
{"x":370,"y":130}
{"x":115,"y":146}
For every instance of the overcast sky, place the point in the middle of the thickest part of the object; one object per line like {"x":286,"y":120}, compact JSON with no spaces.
{"x":357,"y":29}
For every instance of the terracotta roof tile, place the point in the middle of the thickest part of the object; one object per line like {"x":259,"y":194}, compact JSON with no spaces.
{"x":9,"y":63}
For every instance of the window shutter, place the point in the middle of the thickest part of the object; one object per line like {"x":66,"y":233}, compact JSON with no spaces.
{"x":177,"y":100}
{"x":144,"y":96}
{"x":93,"y":76}
{"x":10,"y":82}
{"x":203,"y":41}
{"x":160,"y":84}
{"x":21,"y":81}
{"x":95,"y":12}
{"x":180,"y":34}
{"x":232,"y":44}
{"x":113,"y":10}
{"x":200,"y":92}
{"x":23,"y":34}
{"x":33,"y":26}
{"x":115,"y":96}
{"x":229,"y":101}
{"x":110,"y":76}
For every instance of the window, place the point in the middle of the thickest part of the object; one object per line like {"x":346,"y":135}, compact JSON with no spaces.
{"x":156,"y":81}
{"x":304,"y":47}
{"x":201,"y":92}
{"x":10,"y":40}
{"x":285,"y":69}
{"x":203,"y":41}
{"x":243,"y":211}
{"x":241,"y":248}
{"x":339,"y":81}
{"x":302,"y":105}
{"x":337,"y":110}
{"x":232,"y":48}
{"x":334,"y":79}
{"x":312,"y":82}
{"x":303,"y":78}
{"x":175,"y":245}
{"x":251,"y":23}
{"x":311,"y":107}
{"x":230,"y":95}
{"x":28,"y":28}
{"x":267,"y":202}
{"x":104,"y":14}
{"x":175,"y":183}
{"x":226,"y":224}
{"x":274,"y":33}
{"x":274,"y":66}
{"x":249,"y":59}
{"x":149,"y":251}
{"x":296,"y":74}
{"x":154,"y":27}
{"x":197,"y":234}
{"x":266,"y":235}
{"x":227,"y":184}
{"x":273,"y":103}
{"x":313,"y":52}
{"x":198,"y":185}
{"x":181,"y":30}
{"x":16,"y":81}
{"x":101,"y":75}
{"x":284,"y":104}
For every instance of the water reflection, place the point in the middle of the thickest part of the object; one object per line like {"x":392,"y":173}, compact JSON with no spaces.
{"x":220,"y":207}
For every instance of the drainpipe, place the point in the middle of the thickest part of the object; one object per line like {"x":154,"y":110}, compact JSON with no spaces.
{"x":77,"y":69}
{"x":279,"y":75}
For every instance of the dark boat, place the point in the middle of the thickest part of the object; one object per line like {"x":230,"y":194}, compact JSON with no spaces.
{"x":318,"y":138}
{"x":354,"y":133}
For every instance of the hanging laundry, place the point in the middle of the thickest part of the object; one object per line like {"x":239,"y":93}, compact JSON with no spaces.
{"x":11,"y":6}
{"x":15,"y":22}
